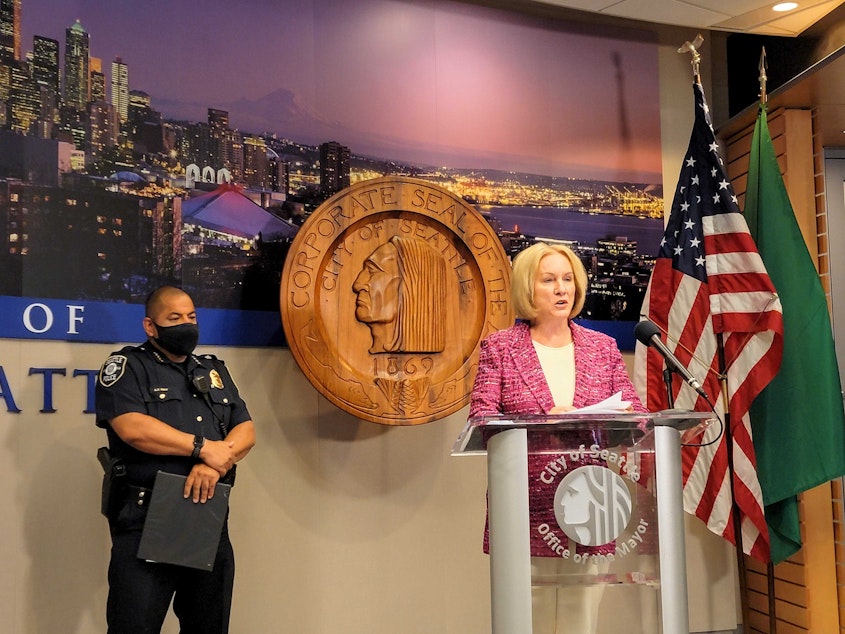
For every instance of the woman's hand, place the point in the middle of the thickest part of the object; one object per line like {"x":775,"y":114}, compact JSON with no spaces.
{"x":561,"y":409}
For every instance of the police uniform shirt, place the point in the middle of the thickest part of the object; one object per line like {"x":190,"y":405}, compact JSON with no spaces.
{"x":197,"y":397}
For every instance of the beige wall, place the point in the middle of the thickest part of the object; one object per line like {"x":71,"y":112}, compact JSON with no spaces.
{"x":339,"y":525}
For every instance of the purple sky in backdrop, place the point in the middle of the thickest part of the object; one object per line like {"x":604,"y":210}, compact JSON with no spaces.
{"x":434,"y":82}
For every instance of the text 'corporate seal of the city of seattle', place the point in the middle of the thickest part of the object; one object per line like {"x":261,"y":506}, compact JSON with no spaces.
{"x":387,"y":291}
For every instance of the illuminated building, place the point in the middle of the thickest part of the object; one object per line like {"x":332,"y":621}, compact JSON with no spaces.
{"x":76,"y":89}
{"x":334,"y":167}
{"x":255,"y":163}
{"x":10,"y":30}
{"x":45,"y":74}
{"x":120,"y":88}
{"x":24,"y":98}
{"x":97,"y":83}
{"x":102,"y":127}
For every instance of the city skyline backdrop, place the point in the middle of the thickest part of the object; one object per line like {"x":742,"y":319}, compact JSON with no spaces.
{"x":440,"y":83}
{"x":513,"y":113}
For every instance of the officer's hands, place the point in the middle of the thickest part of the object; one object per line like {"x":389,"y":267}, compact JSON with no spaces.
{"x":219,"y":455}
{"x":200,"y":483}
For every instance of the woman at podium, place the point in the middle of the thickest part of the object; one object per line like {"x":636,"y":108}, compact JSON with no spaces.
{"x":548,"y":364}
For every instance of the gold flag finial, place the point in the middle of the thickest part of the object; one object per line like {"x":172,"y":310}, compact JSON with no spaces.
{"x":692,"y":47}
{"x":764,"y":65}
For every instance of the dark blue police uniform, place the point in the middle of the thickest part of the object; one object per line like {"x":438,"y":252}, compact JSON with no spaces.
{"x":198,"y":397}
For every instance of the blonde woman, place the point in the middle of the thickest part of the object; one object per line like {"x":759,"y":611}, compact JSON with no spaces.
{"x":546,"y":364}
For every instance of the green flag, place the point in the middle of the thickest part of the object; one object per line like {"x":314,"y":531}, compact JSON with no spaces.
{"x":798,"y":421}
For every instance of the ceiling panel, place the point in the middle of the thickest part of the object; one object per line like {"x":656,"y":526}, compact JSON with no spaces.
{"x":666,"y":12}
{"x":741,"y":16}
{"x":758,"y":20}
{"x":733,"y":7}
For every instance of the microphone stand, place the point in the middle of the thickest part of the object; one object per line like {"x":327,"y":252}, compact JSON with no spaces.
{"x":667,"y":379}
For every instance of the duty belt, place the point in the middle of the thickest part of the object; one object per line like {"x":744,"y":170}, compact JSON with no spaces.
{"x":140,"y":495}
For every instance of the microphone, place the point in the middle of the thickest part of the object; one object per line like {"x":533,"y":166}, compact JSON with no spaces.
{"x":648,"y":334}
{"x":201,"y":383}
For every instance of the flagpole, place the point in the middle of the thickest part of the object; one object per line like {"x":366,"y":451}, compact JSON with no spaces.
{"x":692,"y":47}
{"x":736,"y":519}
{"x":770,"y":567}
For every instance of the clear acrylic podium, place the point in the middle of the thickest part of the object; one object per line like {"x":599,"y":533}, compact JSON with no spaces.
{"x":615,"y":491}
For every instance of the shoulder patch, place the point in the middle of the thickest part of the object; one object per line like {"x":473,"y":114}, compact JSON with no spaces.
{"x":112,"y":370}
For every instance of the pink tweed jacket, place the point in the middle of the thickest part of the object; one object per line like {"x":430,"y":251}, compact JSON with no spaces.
{"x":510,"y":381}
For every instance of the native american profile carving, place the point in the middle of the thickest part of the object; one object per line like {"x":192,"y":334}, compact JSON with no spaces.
{"x":400,"y":293}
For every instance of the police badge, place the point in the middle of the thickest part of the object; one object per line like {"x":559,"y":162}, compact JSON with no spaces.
{"x":216,"y":381}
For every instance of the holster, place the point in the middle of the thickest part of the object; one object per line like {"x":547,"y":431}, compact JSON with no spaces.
{"x":114,"y":482}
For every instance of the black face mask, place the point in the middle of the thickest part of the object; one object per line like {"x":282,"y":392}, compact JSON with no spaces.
{"x":179,"y":340}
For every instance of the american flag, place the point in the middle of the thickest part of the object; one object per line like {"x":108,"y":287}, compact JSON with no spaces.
{"x":709,"y":283}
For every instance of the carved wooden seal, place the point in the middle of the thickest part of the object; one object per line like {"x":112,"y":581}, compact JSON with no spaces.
{"x":387,"y":291}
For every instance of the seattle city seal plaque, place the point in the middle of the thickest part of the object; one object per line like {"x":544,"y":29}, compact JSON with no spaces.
{"x":387,"y":291}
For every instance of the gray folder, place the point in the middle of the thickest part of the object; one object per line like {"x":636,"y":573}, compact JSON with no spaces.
{"x":178,"y":530}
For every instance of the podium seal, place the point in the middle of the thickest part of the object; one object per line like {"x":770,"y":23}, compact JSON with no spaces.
{"x":387,"y":291}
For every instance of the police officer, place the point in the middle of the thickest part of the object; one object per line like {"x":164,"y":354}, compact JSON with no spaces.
{"x":165,"y":408}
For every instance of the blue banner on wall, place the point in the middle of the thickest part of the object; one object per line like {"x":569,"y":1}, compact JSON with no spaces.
{"x":110,"y":322}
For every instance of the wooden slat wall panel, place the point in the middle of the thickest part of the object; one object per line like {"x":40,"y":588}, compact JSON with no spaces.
{"x":803,"y":597}
{"x":837,"y":502}
{"x":839,"y":539}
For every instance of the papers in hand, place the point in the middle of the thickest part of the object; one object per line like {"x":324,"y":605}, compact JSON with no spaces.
{"x":611,"y":405}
